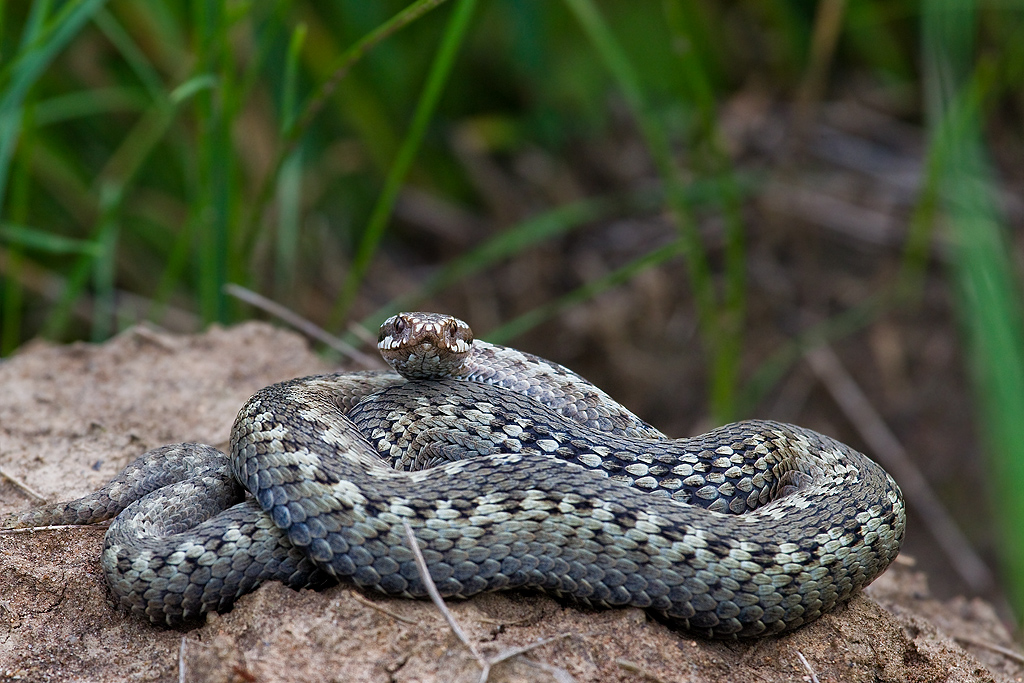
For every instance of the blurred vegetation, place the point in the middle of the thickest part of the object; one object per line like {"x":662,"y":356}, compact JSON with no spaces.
{"x":151,"y":153}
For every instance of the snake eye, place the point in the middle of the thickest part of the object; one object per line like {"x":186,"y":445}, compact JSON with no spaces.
{"x":453,"y":329}
{"x":399,"y":325}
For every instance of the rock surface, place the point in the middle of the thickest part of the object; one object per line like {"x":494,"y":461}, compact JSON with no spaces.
{"x":71,"y":417}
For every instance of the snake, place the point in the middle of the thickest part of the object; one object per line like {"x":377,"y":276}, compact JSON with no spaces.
{"x":510,"y":471}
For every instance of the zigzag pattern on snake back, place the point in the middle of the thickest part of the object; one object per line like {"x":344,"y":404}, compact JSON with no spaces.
{"x":751,"y":529}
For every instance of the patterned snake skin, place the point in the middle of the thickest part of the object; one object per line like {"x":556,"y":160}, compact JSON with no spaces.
{"x":751,"y":529}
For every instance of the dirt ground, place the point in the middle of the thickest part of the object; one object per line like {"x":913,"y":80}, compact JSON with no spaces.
{"x":71,"y":417}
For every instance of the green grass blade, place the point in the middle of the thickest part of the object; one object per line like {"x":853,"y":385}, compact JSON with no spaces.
{"x":351,"y":56}
{"x":118,"y":174}
{"x":720,"y":323}
{"x":286,"y":254}
{"x":12,"y":293}
{"x":104,"y":264}
{"x":41,"y":43}
{"x":177,"y":262}
{"x":313,"y":104}
{"x":135,"y":57}
{"x":436,"y":79}
{"x":60,"y":315}
{"x":535,"y":230}
{"x":986,"y":284}
{"x":615,"y":59}
{"x":34,"y":27}
{"x":515,"y":240}
{"x":45,"y":241}
{"x":990,"y":308}
{"x":211,"y":211}
{"x":11,"y":300}
{"x":619,"y":276}
{"x":711,"y":159}
{"x":772,"y":370}
{"x":87,"y":103}
{"x":291,"y":77}
{"x":289,"y":182}
{"x":192,"y":86}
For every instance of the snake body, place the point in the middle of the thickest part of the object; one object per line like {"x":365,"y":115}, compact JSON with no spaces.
{"x":751,"y":529}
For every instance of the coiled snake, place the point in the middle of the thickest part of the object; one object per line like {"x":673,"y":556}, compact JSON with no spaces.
{"x":534,"y":478}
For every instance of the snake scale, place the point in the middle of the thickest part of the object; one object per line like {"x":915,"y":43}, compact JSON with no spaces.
{"x":512,"y":471}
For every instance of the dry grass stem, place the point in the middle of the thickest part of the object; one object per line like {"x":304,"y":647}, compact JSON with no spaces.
{"x":385,"y":610}
{"x":893,"y":456}
{"x":156,"y":336}
{"x":33,"y":529}
{"x":807,"y":665}
{"x":364,"y":335}
{"x":1004,"y":651}
{"x":304,"y":326}
{"x":435,"y":596}
{"x":485,"y":662}
{"x":23,"y":487}
{"x":559,"y":674}
{"x":522,"y":649}
{"x":181,"y":661}
{"x":633,"y":667}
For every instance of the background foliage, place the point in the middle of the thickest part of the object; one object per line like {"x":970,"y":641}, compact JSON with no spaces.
{"x":348,"y":159}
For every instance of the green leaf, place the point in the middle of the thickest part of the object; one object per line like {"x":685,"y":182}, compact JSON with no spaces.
{"x":43,"y":241}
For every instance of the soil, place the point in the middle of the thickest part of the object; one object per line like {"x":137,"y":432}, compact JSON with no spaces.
{"x":71,"y":417}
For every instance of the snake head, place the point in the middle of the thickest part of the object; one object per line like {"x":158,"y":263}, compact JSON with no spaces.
{"x":425,"y":345}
